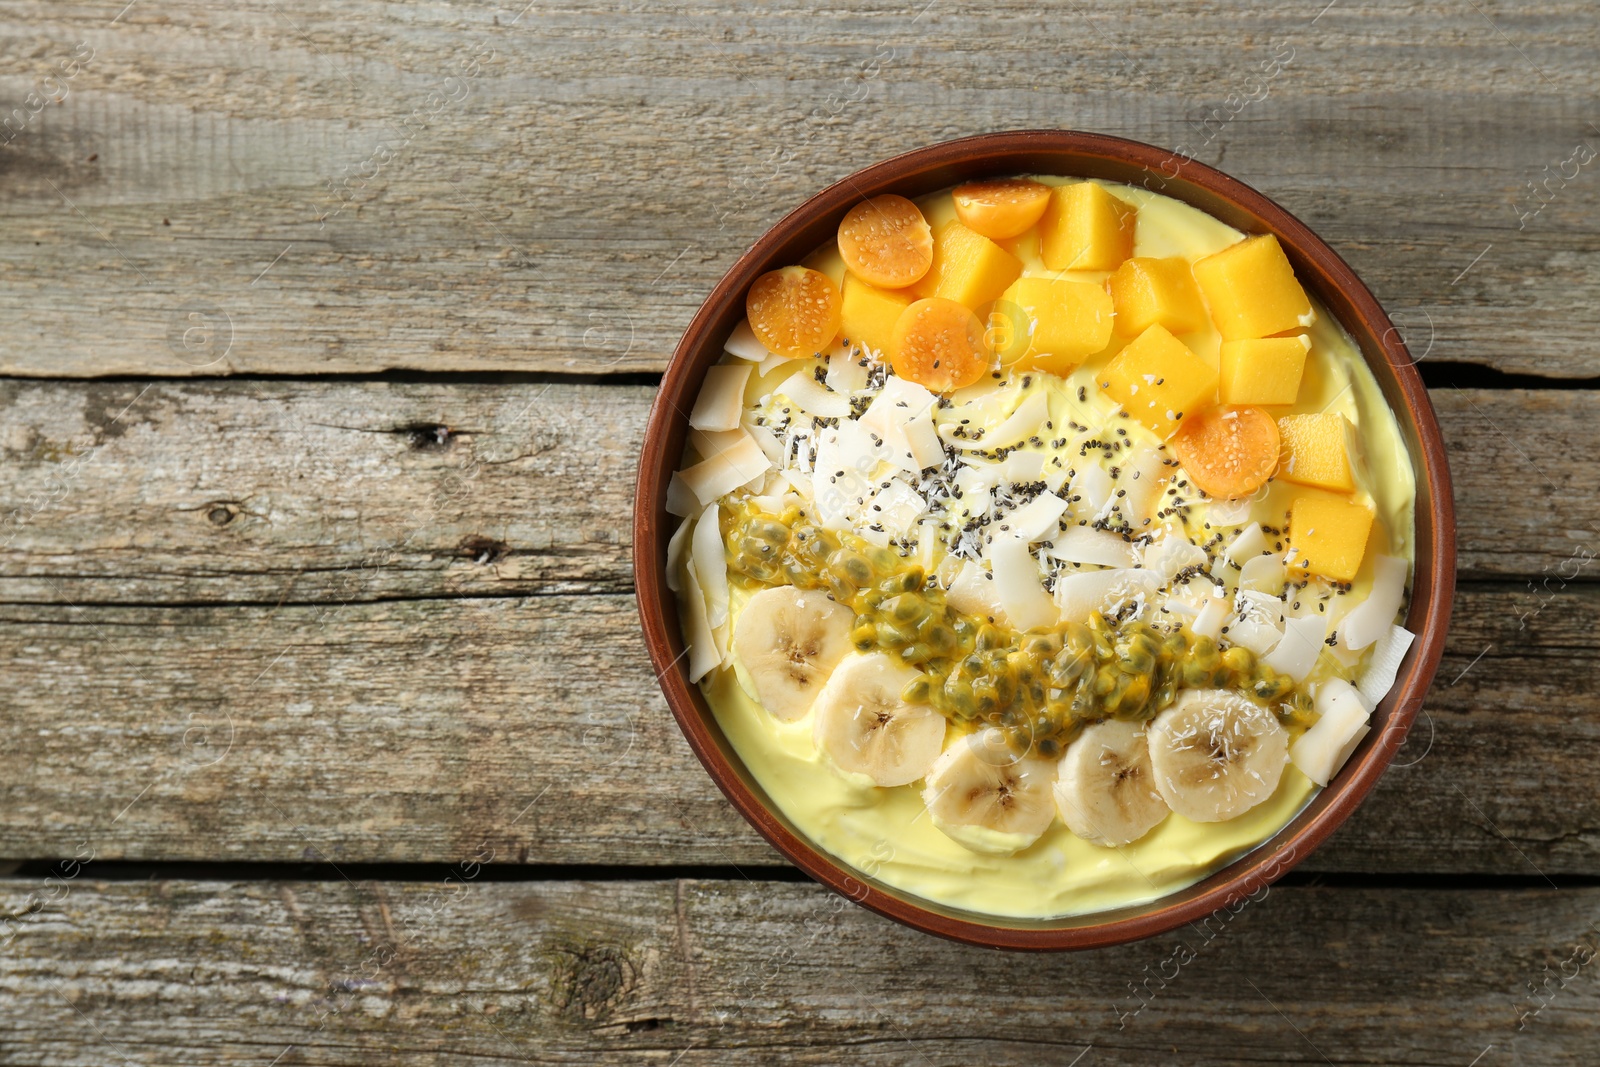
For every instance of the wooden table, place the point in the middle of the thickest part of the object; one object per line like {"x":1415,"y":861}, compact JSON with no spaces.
{"x":329,"y":333}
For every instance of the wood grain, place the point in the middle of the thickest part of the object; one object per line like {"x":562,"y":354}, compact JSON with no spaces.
{"x":292,"y":188}
{"x":332,"y":492}
{"x":418,"y":730}
{"x":698,"y":972}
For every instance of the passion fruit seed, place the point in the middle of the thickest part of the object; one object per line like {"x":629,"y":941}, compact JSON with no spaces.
{"x":1040,"y":689}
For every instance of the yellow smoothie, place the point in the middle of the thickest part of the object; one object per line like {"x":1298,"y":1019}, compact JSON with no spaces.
{"x":887,"y":833}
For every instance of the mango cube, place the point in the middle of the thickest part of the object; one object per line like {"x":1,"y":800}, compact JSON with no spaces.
{"x":1149,"y":291}
{"x":967,"y":268}
{"x":1085,"y":228}
{"x":1263,"y":370}
{"x":1056,"y":324}
{"x":868,"y":314}
{"x":1158,"y":380}
{"x":1252,"y":291}
{"x":1315,"y":450}
{"x":1328,"y":535}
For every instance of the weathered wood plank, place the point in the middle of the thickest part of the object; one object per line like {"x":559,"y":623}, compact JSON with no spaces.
{"x":340,"y":491}
{"x":331,"y":492}
{"x":295,"y":188}
{"x":698,"y":972}
{"x":416,"y":730}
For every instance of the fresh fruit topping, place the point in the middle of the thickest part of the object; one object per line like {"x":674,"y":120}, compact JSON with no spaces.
{"x":1229,"y":452}
{"x":1252,"y":291}
{"x":1059,"y":322}
{"x":886,"y":242}
{"x":1216,"y":754}
{"x":1001,"y":208}
{"x":794,"y":311}
{"x":1264,"y":370}
{"x":1158,"y":380}
{"x":1149,"y":291}
{"x":866,"y":727}
{"x":1329,"y":535}
{"x":1085,"y":228}
{"x":869,"y":314}
{"x":968,"y":268}
{"x":988,"y":798}
{"x":1105,"y":787}
{"x":1316,"y":451}
{"x":789,"y":641}
{"x":939,"y":344}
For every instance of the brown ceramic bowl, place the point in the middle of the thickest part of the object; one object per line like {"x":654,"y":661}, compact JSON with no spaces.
{"x":1324,"y":274}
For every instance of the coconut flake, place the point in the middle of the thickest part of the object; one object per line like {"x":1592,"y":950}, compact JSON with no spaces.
{"x":1093,"y":488}
{"x":1323,"y":749}
{"x":812,"y":397}
{"x":847,"y":371}
{"x":1017,"y":586}
{"x":1263,"y":574}
{"x":1079,"y":594}
{"x":972,"y":592}
{"x":676,"y":545}
{"x":1230,"y":512}
{"x":680,"y":498}
{"x":922,"y":441}
{"x":703,"y":652}
{"x":1250,"y":542}
{"x":742,"y":343}
{"x":897,"y":507}
{"x":1297,"y":653}
{"x":1085,"y":544}
{"x":711,"y":565}
{"x":1256,"y":623}
{"x":1373,"y":617}
{"x":723,"y":473}
{"x":1037,"y":518}
{"x":1020,"y":468}
{"x":1378,"y":678}
{"x":708,"y":443}
{"x":721,"y":399}
{"x":1142,"y":480}
{"x":1021,"y":424}
{"x":1213,"y":613}
{"x":1171,"y":554}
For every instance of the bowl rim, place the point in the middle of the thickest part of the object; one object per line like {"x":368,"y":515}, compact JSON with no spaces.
{"x":1079,"y":154}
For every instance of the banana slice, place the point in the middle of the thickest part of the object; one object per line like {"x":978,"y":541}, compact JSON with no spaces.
{"x":866,"y":728}
{"x":1216,"y":754}
{"x":987,"y":798}
{"x":788,"y":641}
{"x":1105,"y":787}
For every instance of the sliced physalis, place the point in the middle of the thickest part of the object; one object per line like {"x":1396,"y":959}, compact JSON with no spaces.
{"x":1252,"y":291}
{"x":869,"y":314}
{"x":794,"y":311}
{"x":1328,"y":535}
{"x":1085,"y":228}
{"x":1263,"y":370}
{"x":1158,"y":380}
{"x":968,"y":268}
{"x":1229,"y":452}
{"x":1149,"y":292}
{"x":939,"y":344}
{"x":1316,"y":451}
{"x":1058,"y":323}
{"x":886,"y":242}
{"x":1001,"y":208}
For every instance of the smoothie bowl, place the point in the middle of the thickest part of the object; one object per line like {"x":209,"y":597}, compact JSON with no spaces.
{"x":1043,"y":540}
